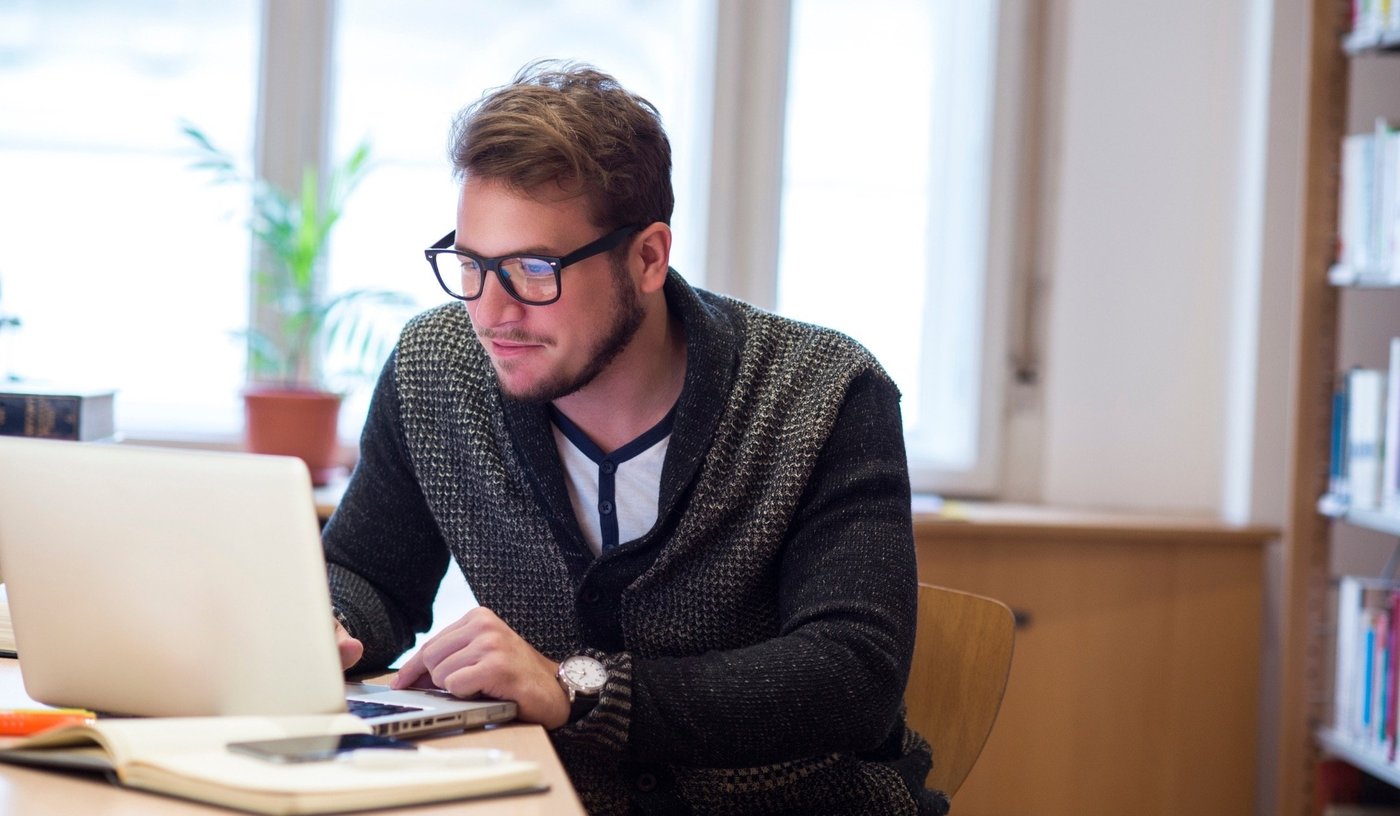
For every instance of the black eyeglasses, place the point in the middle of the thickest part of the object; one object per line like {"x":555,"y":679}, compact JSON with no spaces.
{"x":530,"y":279}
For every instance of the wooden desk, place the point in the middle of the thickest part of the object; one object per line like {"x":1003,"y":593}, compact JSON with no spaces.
{"x":25,"y":791}
{"x":1135,"y":679}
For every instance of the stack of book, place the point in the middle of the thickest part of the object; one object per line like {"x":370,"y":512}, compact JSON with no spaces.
{"x":1365,"y":467}
{"x":1365,"y":691}
{"x":1368,"y":212}
{"x":46,"y":412}
{"x":1374,"y":24}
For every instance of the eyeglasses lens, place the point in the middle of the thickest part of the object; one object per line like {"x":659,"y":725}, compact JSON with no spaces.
{"x":469,"y":273}
{"x":532,"y":279}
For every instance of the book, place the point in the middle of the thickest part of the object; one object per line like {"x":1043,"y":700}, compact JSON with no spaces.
{"x":1337,"y":471}
{"x":1355,"y":205}
{"x":1380,"y":673}
{"x":1388,"y":731}
{"x":187,"y":757}
{"x":1345,"y":710}
{"x":1368,"y":211}
{"x":1367,"y":673}
{"x":1389,"y":189}
{"x":1390,"y":436}
{"x":1365,"y":410}
{"x":47,"y":413}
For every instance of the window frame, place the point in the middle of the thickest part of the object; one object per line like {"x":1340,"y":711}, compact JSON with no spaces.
{"x":746,"y":189}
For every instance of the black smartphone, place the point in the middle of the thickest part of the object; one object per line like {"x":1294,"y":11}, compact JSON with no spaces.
{"x":315,"y":749}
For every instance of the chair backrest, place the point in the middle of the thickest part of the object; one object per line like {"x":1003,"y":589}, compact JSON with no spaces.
{"x":962,"y":659}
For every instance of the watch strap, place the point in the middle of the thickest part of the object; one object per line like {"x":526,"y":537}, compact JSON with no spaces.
{"x":581,"y":706}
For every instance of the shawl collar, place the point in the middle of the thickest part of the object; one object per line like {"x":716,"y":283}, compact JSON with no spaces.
{"x":711,"y":341}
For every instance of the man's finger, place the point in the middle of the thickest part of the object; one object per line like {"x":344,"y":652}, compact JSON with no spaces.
{"x":409,"y":672}
{"x":351,"y":650}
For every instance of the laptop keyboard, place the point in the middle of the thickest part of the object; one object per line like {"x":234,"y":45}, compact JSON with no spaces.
{"x":364,"y":709}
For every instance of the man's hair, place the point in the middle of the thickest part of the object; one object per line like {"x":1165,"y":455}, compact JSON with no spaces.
{"x":572,"y":124}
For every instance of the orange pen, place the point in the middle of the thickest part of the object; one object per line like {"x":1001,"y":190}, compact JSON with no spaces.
{"x":21,"y":722}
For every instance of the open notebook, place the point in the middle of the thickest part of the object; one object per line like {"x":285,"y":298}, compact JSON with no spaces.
{"x":162,"y":582}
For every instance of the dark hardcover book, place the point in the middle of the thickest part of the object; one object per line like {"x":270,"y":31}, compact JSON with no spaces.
{"x":56,"y":414}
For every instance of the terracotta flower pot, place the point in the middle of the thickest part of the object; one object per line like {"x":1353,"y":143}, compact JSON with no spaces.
{"x":294,"y":422}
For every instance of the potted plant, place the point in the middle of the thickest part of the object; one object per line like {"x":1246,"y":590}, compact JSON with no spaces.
{"x":290,"y":405}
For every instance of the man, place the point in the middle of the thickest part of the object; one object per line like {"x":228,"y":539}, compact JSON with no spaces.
{"x":687,"y":521}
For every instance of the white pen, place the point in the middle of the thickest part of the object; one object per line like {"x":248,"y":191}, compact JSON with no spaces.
{"x":425,"y":757}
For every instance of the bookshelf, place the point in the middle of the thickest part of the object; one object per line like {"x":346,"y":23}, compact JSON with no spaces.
{"x":1338,"y":746}
{"x":1378,"y":520}
{"x":1354,"y":78}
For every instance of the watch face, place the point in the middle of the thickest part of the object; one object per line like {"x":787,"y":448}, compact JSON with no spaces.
{"x":585,"y":674}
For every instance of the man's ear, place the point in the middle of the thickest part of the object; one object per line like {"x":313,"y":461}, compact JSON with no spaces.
{"x":652,"y":249}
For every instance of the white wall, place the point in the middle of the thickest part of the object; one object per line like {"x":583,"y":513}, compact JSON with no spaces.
{"x":1165,"y":203}
{"x":1170,"y":248}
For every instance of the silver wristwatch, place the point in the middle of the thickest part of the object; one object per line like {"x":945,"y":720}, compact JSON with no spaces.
{"x":582,"y":676}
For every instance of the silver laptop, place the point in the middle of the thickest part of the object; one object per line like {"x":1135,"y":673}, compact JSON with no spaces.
{"x":163,"y":582}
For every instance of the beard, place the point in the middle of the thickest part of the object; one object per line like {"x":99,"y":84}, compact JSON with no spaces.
{"x":625,"y":321}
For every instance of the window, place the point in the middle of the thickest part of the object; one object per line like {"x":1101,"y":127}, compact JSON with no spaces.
{"x":880,"y":143}
{"x":125,"y":267}
{"x":886,"y":203}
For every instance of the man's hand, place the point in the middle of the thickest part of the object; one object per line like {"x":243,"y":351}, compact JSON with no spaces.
{"x":351,"y":650}
{"x":480,"y":654}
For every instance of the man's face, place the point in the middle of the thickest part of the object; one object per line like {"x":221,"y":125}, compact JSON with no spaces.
{"x":542,"y":353}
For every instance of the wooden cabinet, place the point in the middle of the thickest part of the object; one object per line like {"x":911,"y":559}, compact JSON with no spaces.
{"x":1135,"y":678}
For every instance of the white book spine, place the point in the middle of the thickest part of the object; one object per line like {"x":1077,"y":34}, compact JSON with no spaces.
{"x":1366,"y":409}
{"x":1345,"y":716}
{"x":1390,"y":461}
{"x":1348,"y":207}
{"x":1391,"y":259}
{"x":1375,"y":230}
{"x":1357,"y":206}
{"x":1388,"y":205}
{"x":1362,"y":19}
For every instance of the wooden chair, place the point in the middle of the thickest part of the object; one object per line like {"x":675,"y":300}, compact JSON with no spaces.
{"x":962,"y":658}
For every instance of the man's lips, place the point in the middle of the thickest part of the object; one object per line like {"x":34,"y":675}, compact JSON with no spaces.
{"x":503,"y":347}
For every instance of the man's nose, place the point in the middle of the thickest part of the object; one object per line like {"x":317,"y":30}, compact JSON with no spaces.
{"x":496,"y":305}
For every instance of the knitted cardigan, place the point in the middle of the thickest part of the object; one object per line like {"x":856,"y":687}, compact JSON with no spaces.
{"x":757,"y":638}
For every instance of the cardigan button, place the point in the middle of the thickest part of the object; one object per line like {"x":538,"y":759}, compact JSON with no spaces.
{"x":591,"y":596}
{"x":607,"y":467}
{"x":605,"y":507}
{"x":646,"y":783}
